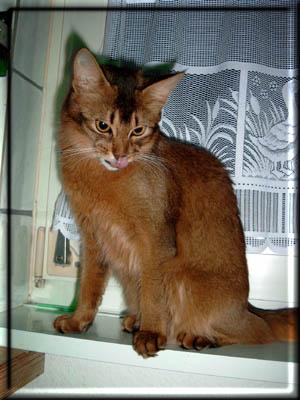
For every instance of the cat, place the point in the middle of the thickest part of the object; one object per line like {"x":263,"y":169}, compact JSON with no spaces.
{"x":159,"y":214}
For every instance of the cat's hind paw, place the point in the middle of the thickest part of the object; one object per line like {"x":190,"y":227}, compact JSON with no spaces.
{"x":189,"y":341}
{"x":147,"y":343}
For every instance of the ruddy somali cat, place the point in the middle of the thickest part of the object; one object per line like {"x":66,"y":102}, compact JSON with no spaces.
{"x":159,"y":214}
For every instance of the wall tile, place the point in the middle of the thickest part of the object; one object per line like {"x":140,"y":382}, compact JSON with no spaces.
{"x":6,"y":4}
{"x":26,"y":107}
{"x":20,"y":241}
{"x":31,"y":44}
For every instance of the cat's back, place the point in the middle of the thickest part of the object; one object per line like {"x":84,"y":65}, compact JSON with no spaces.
{"x":194,"y":164}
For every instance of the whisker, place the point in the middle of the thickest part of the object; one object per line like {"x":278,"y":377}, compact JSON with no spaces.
{"x":155,"y":159}
{"x":78,"y":151}
{"x":75,"y":162}
{"x":75,"y":155}
{"x":154,"y":162}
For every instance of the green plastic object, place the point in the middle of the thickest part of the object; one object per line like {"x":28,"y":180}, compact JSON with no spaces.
{"x":55,"y":307}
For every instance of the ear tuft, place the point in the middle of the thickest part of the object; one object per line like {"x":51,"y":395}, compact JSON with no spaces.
{"x":160,"y":91}
{"x":87,"y":73}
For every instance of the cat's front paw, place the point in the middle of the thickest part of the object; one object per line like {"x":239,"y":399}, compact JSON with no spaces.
{"x":70,"y":323}
{"x":147,"y":343}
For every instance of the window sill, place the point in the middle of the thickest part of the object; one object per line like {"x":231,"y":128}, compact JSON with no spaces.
{"x":32,"y":330}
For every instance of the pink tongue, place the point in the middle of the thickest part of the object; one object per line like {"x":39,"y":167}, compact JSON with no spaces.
{"x":122,"y":162}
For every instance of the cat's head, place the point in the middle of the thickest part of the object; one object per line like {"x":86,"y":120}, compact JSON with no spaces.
{"x":116,"y":111}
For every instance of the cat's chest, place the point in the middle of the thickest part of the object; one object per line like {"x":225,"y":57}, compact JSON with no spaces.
{"x":126,"y":228}
{"x":135,"y":196}
{"x":124,"y":216}
{"x":118,"y":242}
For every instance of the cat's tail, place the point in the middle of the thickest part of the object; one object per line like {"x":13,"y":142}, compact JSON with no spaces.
{"x":283,"y":322}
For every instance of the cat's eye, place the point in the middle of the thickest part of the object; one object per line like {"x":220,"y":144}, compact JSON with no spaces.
{"x":102,"y":126}
{"x":138,"y":131}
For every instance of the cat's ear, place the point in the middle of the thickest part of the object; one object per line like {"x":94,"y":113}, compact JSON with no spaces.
{"x":87,"y":74}
{"x":159,"y":91}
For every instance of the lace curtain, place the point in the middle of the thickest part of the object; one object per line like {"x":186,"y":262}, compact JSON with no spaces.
{"x":238,"y":98}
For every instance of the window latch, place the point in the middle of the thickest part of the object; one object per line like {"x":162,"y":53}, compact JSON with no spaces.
{"x":62,"y":254}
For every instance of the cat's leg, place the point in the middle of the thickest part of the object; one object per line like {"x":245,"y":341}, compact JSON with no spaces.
{"x":152,"y":335}
{"x":188,"y":306}
{"x":92,"y":285}
{"x":154,"y":315}
{"x":209,"y":309}
{"x":131,"y":321}
{"x":245,"y":328}
{"x":239,"y":328}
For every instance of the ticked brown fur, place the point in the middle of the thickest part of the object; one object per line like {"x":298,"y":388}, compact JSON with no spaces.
{"x":159,"y":214}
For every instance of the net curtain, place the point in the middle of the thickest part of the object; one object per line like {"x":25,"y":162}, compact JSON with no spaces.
{"x":238,"y":98}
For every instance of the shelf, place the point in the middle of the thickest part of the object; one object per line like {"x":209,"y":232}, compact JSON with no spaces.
{"x":25,"y":367}
{"x":105,"y":341}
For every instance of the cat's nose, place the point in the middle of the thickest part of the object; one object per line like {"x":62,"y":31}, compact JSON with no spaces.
{"x":121,"y":162}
